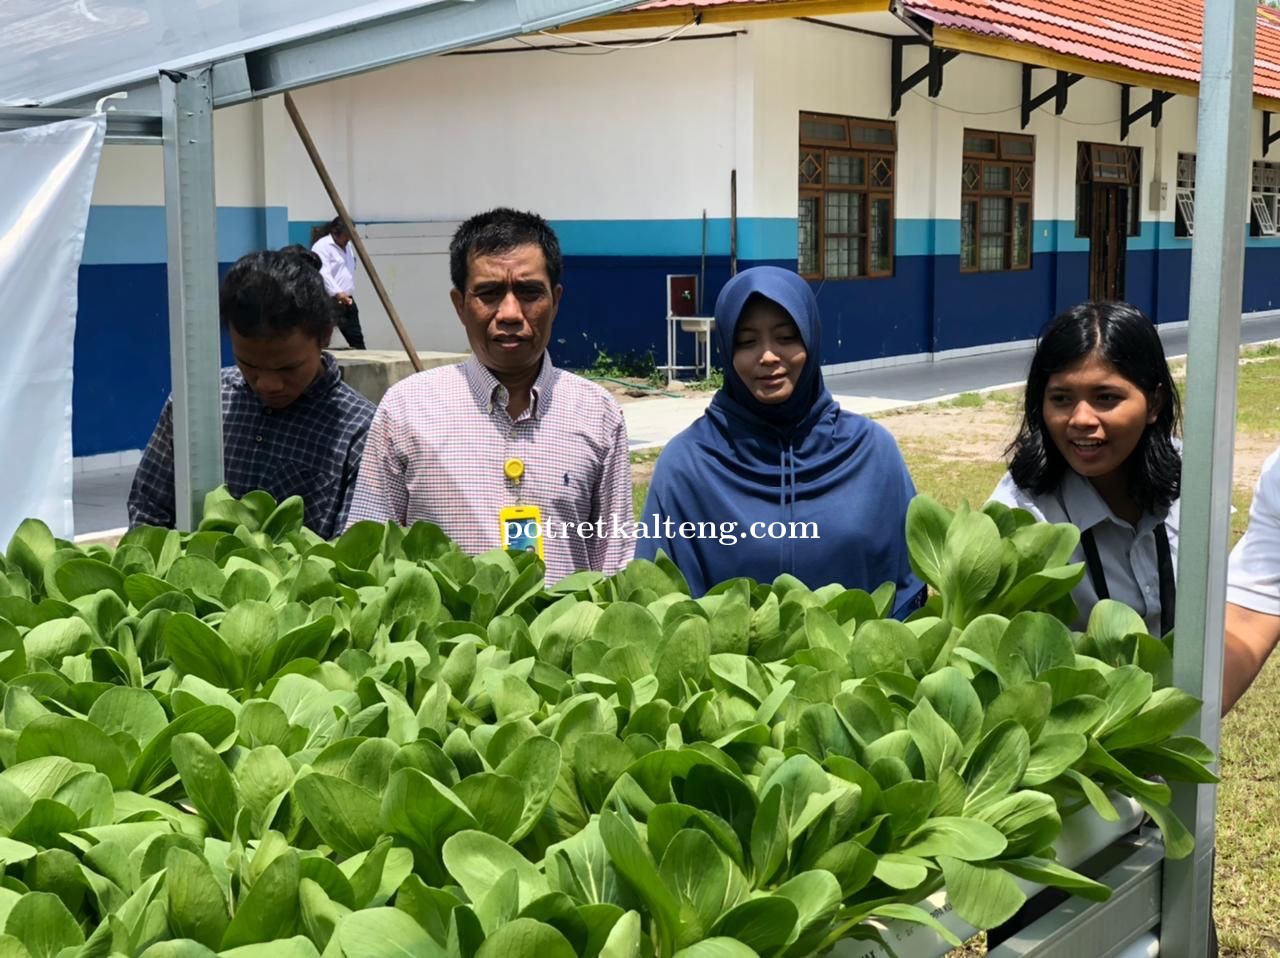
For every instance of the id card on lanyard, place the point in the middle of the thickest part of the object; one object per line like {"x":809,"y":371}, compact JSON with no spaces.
{"x":519,"y":526}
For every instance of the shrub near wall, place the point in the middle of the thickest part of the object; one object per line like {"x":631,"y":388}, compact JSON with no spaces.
{"x":247,"y":741}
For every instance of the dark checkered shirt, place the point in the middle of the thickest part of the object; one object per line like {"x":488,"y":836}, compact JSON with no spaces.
{"x":311,"y":449}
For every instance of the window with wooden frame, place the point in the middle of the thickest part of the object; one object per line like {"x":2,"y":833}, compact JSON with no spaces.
{"x":1264,"y":202}
{"x":846,"y":181}
{"x":1101,"y":164}
{"x":996,"y":185}
{"x":1184,"y":197}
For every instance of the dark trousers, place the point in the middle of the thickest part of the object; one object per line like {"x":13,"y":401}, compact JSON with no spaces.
{"x":349,"y":325}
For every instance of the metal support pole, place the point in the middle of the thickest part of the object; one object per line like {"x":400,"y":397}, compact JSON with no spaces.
{"x":1217,"y":278}
{"x":194,"y":342}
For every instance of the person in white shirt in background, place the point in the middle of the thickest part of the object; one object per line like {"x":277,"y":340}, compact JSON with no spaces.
{"x":1253,"y":589}
{"x":338,"y":267}
{"x":1096,"y":448}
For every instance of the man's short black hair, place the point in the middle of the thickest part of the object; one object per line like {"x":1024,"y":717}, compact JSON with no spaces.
{"x":499,"y":231}
{"x":268,"y":294}
{"x":307,"y":256}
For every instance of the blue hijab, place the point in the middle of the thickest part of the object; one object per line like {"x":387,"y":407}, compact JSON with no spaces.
{"x":805,"y":460}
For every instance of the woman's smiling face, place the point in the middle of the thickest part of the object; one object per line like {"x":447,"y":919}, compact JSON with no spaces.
{"x":768,"y":351}
{"x":1095,"y":416}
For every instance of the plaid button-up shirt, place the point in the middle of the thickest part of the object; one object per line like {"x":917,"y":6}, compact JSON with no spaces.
{"x":311,"y":448}
{"x":439,"y":441}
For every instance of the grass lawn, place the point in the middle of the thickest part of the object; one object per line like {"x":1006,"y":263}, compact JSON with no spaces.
{"x":1247,"y":893}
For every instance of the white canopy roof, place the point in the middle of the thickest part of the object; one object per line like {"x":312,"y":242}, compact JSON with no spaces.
{"x":70,"y":52}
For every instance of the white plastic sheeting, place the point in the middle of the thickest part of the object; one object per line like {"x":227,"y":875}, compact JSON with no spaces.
{"x":48,"y":173}
{"x":54,"y":48}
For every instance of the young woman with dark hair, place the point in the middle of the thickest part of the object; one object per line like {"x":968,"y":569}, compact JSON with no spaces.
{"x":1096,"y":448}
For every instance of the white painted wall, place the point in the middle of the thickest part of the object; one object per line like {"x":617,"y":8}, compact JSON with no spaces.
{"x":637,"y":133}
{"x":801,"y":66}
{"x":413,"y":263}
{"x":130,"y":176}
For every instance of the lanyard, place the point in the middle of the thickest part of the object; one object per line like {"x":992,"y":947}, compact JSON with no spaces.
{"x":1164,"y":563}
{"x":513,"y":469}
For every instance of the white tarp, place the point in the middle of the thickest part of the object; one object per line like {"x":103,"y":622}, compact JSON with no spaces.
{"x":46,"y":181}
{"x":51,"y":48}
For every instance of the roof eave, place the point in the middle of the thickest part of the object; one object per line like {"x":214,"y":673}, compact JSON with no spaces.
{"x":725,"y":13}
{"x":966,"y":41}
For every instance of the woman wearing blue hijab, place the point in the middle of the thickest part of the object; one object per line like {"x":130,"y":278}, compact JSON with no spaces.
{"x":774,"y":447}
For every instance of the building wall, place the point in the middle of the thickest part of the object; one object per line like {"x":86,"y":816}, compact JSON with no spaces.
{"x":929,"y":305}
{"x":624,"y":152}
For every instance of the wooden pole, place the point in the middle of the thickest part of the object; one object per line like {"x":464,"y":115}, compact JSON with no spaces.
{"x":702,"y":269}
{"x":341,"y":207}
{"x":733,"y":222}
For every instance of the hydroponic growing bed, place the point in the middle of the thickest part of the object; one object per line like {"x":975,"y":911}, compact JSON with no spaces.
{"x":247,"y":741}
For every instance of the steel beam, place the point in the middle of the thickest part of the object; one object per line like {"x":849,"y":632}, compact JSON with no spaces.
{"x":126,"y":127}
{"x":194,"y":341}
{"x":1217,"y":279}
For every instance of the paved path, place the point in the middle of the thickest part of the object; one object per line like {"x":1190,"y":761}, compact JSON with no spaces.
{"x":950,"y":377}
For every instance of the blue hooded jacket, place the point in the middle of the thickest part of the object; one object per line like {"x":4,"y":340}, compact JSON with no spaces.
{"x":805,"y":460}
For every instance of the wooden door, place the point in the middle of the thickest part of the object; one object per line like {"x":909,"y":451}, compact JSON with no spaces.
{"x":1108,"y":238}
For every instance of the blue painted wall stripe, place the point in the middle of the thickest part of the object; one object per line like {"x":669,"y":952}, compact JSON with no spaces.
{"x":928,"y":304}
{"x":758,"y":237}
{"x":136,"y":234}
{"x":119,"y":235}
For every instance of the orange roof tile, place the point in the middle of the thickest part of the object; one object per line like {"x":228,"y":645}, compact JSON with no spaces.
{"x":1161,"y":37}
{"x":1155,"y":37}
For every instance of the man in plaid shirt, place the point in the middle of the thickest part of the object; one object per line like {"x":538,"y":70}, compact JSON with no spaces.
{"x":462,"y":445}
{"x":290,"y":425}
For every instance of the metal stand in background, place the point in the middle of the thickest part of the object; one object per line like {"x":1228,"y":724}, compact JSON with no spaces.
{"x":195,"y":344}
{"x":684,"y":293}
{"x":1217,"y":280}
{"x":701,"y":327}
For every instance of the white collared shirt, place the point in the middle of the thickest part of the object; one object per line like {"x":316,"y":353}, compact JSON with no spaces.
{"x":1253,"y":573}
{"x":337,"y":265}
{"x":1128,"y":553}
